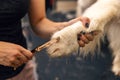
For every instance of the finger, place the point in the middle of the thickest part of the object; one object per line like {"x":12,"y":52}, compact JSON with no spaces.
{"x":14,"y":63}
{"x":28,"y":54}
{"x":81,"y":43}
{"x":96,"y":32}
{"x":85,"y":21}
{"x":90,"y":37}
{"x":78,"y":36}
{"x":8,"y":62}
{"x":74,"y":20}
{"x":22,"y":58}
{"x":18,"y":55}
{"x":84,"y":39}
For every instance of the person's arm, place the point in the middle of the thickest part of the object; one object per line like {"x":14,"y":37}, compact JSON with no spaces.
{"x":44,"y":27}
{"x":40,"y":24}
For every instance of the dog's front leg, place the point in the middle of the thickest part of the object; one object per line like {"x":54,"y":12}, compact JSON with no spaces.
{"x":100,"y":13}
{"x":113,"y":32}
{"x":116,"y":63}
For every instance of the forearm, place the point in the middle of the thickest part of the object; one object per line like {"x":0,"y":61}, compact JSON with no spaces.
{"x":45,"y":27}
{"x":40,"y":24}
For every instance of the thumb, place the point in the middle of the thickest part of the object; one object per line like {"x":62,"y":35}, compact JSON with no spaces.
{"x":85,"y":21}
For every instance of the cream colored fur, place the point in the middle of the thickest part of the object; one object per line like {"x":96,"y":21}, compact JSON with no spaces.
{"x":68,"y":42}
{"x":105,"y":16}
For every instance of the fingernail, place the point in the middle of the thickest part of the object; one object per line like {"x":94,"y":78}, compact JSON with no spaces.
{"x":87,"y":25}
{"x":82,"y":32}
{"x":78,"y":36}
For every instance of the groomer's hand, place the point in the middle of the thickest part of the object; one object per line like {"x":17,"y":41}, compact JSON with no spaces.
{"x":13,"y":55}
{"x":85,"y":38}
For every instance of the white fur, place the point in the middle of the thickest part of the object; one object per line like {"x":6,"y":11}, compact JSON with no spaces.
{"x":68,"y":40}
{"x":105,"y":16}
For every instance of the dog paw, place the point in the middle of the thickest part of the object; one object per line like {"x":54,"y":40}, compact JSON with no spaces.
{"x":68,"y":42}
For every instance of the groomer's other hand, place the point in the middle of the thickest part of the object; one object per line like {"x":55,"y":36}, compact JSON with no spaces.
{"x":13,"y":55}
{"x":84,"y":20}
{"x":85,"y":38}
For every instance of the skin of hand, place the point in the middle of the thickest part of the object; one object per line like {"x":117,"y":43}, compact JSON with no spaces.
{"x":13,"y":55}
{"x":86,"y":38}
